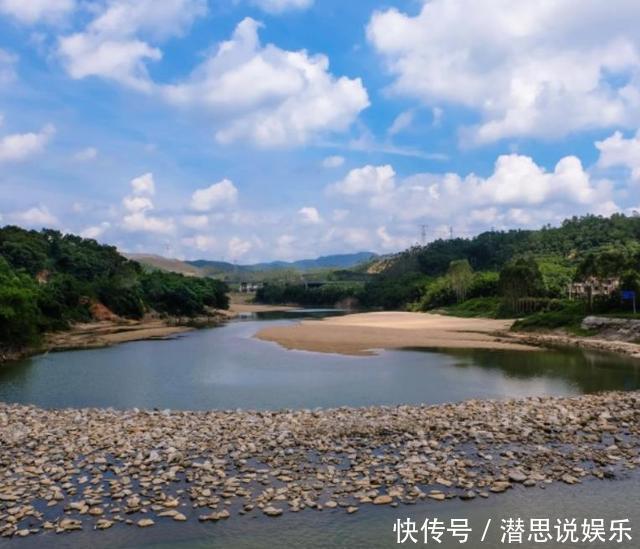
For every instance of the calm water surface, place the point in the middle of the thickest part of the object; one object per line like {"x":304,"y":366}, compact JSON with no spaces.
{"x":228,"y":368}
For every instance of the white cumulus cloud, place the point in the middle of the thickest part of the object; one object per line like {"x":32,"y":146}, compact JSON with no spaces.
{"x":137,"y":203}
{"x":541,"y":69}
{"x":17,"y":147}
{"x":269,"y":96}
{"x":143,"y":185}
{"x":37,"y":216}
{"x":95,"y":231}
{"x":138,"y":206}
{"x":35,"y":11}
{"x":140,"y":222}
{"x":115,"y":44}
{"x":201,"y":242}
{"x":618,"y":151}
{"x":280,"y":6}
{"x":368,"y":180}
{"x":333,"y":161}
{"x":195,"y":221}
{"x":219,"y":194}
{"x":518,"y":192}
{"x":310,"y":215}
{"x":84,"y":155}
{"x":238,"y":247}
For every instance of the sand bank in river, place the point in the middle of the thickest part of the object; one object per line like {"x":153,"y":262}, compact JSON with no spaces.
{"x":361,"y":334}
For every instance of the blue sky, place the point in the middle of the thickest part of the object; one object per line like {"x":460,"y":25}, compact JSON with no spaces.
{"x":249,"y":130}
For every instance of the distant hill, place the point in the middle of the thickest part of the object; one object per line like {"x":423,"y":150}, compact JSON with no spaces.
{"x":571,"y":242}
{"x":337,"y":261}
{"x":207,"y":266}
{"x":165,"y":264}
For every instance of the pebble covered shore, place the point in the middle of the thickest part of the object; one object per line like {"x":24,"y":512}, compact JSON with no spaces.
{"x":66,"y":470}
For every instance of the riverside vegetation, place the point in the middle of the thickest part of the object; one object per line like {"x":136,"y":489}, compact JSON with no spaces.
{"x":49,"y":281}
{"x":497,"y":274}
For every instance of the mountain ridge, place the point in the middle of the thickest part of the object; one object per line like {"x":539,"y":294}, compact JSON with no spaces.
{"x":335,"y":261}
{"x":204,"y":267}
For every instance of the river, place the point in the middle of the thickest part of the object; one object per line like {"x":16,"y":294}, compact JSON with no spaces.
{"x":227,"y":368}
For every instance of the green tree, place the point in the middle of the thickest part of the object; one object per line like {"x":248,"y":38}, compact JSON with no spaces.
{"x":605,"y":263}
{"x":19,"y":314}
{"x":521,"y":278}
{"x":73,"y":273}
{"x":631,"y":281}
{"x":460,"y":276}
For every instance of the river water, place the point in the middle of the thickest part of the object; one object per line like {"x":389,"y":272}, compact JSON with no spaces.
{"x":227,"y":368}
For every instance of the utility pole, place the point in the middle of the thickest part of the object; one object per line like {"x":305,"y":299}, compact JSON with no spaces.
{"x":423,"y":234}
{"x":450,"y":232}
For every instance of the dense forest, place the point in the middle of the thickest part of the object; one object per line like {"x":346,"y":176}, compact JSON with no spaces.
{"x":497,"y":273}
{"x":49,"y":280}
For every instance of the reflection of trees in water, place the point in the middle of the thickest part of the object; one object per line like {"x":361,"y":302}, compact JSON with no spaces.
{"x":15,"y":377}
{"x":587,"y":370}
{"x":297,"y":314}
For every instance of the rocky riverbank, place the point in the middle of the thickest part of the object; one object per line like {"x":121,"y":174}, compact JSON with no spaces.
{"x":610,"y":335}
{"x":65,"y":470}
{"x":598,"y":342}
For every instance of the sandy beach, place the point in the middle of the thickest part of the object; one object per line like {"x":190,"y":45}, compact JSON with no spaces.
{"x":364,"y":333}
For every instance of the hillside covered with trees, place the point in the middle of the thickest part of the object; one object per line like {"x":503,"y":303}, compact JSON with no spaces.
{"x":498,"y":273}
{"x":49,"y":280}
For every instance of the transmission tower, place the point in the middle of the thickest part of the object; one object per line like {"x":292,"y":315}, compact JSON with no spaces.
{"x":423,"y":234}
